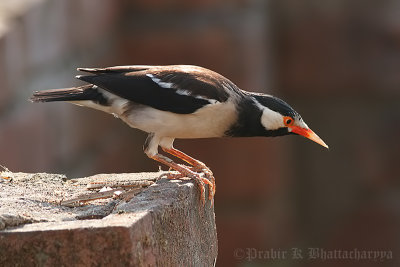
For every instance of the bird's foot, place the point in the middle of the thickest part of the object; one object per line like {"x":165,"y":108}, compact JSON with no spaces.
{"x":210,"y":177}
{"x":197,"y":167}
{"x":173,"y":176}
{"x":205,"y":173}
{"x":201,"y":178}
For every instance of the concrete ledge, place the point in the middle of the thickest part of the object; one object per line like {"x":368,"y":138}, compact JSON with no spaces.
{"x":164,"y":225}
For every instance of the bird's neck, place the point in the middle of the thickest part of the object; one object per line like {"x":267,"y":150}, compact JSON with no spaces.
{"x":248,"y":123}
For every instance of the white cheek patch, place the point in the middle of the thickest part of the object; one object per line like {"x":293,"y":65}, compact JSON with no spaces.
{"x":271,"y":120}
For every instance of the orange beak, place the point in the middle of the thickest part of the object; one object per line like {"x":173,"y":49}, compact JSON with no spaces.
{"x":308,"y":133}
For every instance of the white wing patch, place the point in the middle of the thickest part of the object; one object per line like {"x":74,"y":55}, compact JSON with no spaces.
{"x":178,"y":91}
{"x":212,"y":101}
{"x":159,"y":82}
{"x":183,"y":92}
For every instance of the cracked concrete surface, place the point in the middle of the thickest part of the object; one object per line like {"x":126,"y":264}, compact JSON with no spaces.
{"x":163,"y":225}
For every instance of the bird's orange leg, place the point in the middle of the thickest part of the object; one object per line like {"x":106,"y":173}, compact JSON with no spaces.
{"x":186,"y":173}
{"x":197,"y":166}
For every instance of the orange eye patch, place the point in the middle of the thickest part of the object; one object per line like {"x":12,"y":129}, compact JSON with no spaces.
{"x":288,"y":121}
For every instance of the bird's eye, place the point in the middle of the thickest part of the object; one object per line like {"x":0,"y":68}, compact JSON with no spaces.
{"x":288,"y":121}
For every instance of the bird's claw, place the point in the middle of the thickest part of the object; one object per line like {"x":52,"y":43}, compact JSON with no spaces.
{"x":207,"y":173}
{"x":201,"y":176}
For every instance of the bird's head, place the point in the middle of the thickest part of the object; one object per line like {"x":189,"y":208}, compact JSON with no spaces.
{"x":279,"y":118}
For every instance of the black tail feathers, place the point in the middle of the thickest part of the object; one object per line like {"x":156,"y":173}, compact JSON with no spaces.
{"x":86,"y":92}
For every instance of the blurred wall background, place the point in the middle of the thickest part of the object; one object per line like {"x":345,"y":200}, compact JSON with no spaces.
{"x":337,"y":62}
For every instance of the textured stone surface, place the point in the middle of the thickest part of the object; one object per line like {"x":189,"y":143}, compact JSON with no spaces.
{"x":164,"y":225}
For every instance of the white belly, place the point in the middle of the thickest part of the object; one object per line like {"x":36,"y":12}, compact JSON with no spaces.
{"x":210,"y":121}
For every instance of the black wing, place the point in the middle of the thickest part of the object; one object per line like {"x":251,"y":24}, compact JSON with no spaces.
{"x":178,"y":89}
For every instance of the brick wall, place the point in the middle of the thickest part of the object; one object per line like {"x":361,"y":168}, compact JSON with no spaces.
{"x":336,"y":63}
{"x":340,"y":61}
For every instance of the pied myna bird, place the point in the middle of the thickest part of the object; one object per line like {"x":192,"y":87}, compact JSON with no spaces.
{"x":181,"y":101}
